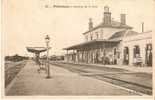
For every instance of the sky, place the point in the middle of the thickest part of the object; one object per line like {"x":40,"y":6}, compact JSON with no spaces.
{"x":26,"y":22}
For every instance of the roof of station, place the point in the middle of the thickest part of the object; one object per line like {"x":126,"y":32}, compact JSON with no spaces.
{"x":115,"y":38}
{"x":121,"y":34}
{"x":78,"y":46}
{"x":114,"y":24}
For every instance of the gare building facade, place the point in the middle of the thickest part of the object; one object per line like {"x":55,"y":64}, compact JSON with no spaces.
{"x":112,"y":42}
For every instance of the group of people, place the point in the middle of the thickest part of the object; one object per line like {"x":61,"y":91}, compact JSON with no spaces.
{"x":41,"y":64}
{"x":104,"y":59}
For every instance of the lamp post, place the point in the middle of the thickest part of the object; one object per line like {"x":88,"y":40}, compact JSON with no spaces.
{"x":47,"y":40}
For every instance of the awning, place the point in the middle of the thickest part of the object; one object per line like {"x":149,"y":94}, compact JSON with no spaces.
{"x":36,"y":49}
{"x":78,"y":46}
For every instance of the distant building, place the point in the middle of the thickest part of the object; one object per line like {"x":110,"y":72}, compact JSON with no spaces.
{"x":15,"y":58}
{"x":112,"y":42}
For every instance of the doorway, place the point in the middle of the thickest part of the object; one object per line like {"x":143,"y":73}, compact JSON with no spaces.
{"x":148,"y":55}
{"x":126,"y":55}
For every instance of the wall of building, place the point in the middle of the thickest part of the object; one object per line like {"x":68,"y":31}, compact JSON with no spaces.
{"x":141,"y":40}
{"x":103,"y":33}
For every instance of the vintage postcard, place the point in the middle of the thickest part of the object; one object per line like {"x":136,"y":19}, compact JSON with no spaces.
{"x":74,"y":48}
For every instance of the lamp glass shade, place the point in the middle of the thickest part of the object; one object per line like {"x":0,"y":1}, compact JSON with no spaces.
{"x":47,"y":38}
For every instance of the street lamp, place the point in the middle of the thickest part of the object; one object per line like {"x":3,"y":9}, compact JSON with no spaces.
{"x":47,"y":40}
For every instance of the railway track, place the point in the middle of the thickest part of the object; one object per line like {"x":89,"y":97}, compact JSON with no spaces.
{"x":139,"y":88}
{"x":129,"y":85}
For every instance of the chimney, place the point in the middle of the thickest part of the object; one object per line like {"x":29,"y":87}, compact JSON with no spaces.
{"x":142,"y":26}
{"x":123,"y":19}
{"x":90,"y":23}
{"x":107,"y":16}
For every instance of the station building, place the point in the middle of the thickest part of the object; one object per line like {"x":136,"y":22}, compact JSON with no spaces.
{"x":112,"y":42}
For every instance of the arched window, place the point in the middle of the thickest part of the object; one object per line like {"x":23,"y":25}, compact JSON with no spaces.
{"x":115,"y":50}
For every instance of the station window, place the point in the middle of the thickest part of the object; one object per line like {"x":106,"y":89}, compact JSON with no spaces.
{"x":86,"y":37}
{"x":91,"y":37}
{"x":97,"y":36}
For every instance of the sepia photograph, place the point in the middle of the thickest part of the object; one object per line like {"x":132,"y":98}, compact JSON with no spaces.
{"x":77,"y":48}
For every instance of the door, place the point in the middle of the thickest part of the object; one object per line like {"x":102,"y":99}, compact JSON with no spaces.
{"x":149,"y":54}
{"x":126,"y":55}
